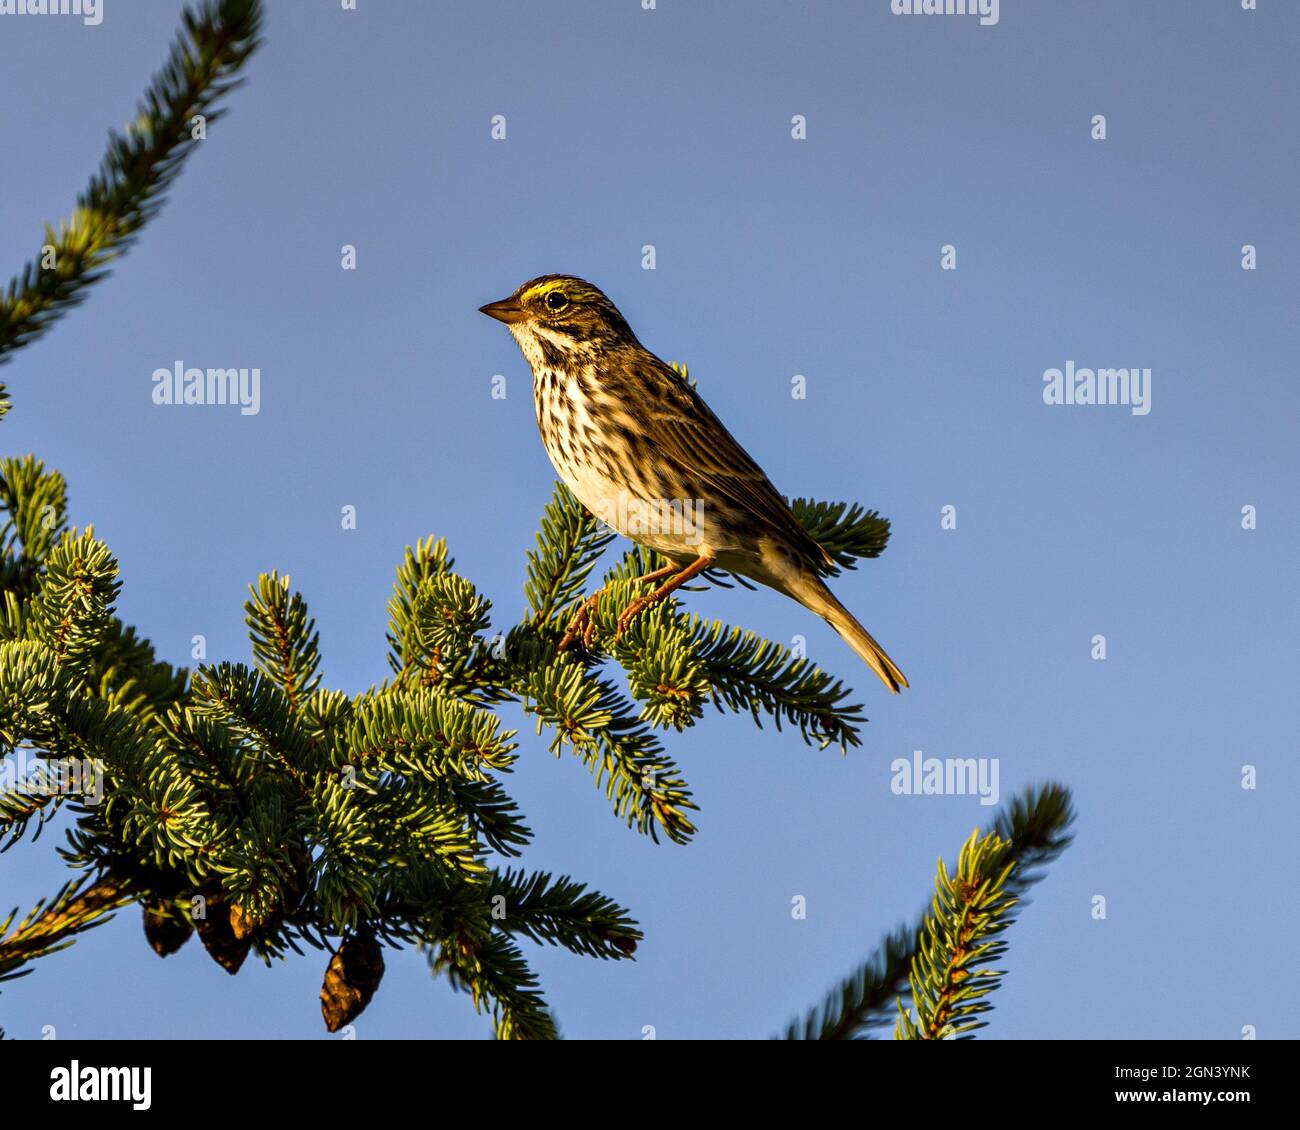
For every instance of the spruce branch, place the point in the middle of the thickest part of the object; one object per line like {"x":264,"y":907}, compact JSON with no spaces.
{"x":846,"y":532}
{"x":569,"y":544}
{"x":644,"y":785}
{"x":863,"y":1000}
{"x":592,"y":718}
{"x":139,"y":167}
{"x":490,"y":811}
{"x":423,"y":563}
{"x":421,"y":733}
{"x":260,"y":712}
{"x":34,"y":508}
{"x":1034,"y":830}
{"x":224,"y":784}
{"x":755,"y":675}
{"x":450,"y":615}
{"x":286,"y":645}
{"x":1036,"y":826}
{"x":71,"y":613}
{"x":19,"y":807}
{"x":950,"y":975}
{"x":31,"y":687}
{"x":561,"y":912}
{"x":493,"y":971}
{"x":54,"y":924}
{"x":674,"y":665}
{"x":152,"y":803}
{"x":677,"y":663}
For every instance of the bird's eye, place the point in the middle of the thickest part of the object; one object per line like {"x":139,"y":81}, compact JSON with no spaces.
{"x":556,"y":301}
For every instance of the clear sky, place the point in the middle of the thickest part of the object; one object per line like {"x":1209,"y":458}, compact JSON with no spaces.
{"x":774,"y":257}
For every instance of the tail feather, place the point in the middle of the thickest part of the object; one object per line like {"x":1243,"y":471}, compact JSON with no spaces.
{"x":817,"y":597}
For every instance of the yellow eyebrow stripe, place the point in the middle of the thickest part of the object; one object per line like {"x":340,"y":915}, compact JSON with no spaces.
{"x":541,"y":289}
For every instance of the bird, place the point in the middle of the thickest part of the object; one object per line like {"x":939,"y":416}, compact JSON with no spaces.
{"x":638,"y":446}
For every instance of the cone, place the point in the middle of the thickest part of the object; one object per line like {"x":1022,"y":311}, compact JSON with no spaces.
{"x":164,"y":929}
{"x":219,"y":938}
{"x":353,"y":976}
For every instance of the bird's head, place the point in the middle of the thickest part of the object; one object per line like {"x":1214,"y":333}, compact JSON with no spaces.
{"x":557,"y":319}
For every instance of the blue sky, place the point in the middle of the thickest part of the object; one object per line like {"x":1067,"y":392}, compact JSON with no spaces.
{"x":774,"y":257}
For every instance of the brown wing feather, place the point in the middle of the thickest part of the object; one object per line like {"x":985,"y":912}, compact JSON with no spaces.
{"x":686,"y":431}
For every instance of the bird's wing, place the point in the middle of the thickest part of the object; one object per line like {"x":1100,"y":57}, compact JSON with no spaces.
{"x":686,"y":432}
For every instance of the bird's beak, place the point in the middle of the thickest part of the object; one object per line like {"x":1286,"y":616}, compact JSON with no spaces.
{"x":507,"y":310}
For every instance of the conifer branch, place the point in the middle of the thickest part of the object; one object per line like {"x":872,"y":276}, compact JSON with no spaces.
{"x":864,"y":1000}
{"x":124,"y":670}
{"x":845,"y":532}
{"x":497,"y":977}
{"x":70,"y":614}
{"x":1035,"y":830}
{"x":962,"y":935}
{"x":226,"y":793}
{"x":139,"y":167}
{"x":562,"y":912}
{"x":34,"y":504}
{"x":19,"y":807}
{"x":569,"y":543}
{"x":53,"y":924}
{"x":642,"y":782}
{"x":426,"y":560}
{"x":756,"y":675}
{"x":286,"y":645}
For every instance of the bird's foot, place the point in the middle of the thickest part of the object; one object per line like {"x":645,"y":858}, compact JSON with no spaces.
{"x":631,"y":612}
{"x":583,"y":623}
{"x":678,"y":578}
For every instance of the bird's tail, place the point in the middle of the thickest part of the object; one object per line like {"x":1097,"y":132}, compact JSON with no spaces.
{"x":813,"y":594}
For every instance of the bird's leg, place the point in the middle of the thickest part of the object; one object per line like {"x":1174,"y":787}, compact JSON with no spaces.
{"x":589,"y":632}
{"x":694,"y":569}
{"x":582,"y":623}
{"x":667,"y":571}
